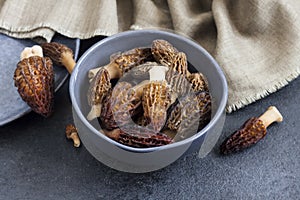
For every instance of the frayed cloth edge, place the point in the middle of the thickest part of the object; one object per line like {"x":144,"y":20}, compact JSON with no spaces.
{"x":251,"y":99}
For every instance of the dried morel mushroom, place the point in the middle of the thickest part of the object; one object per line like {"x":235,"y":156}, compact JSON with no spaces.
{"x":252,"y":131}
{"x":139,"y":138}
{"x":60,"y":54}
{"x":98,"y":90}
{"x":156,"y":98}
{"x":34,"y":78}
{"x":163,"y":52}
{"x":189,"y":114}
{"x":123,"y":62}
{"x":120,"y":106}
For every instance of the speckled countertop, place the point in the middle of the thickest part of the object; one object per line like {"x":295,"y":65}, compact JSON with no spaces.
{"x":37,"y":162}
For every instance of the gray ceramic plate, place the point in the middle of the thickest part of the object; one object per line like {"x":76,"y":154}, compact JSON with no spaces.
{"x":11,"y":104}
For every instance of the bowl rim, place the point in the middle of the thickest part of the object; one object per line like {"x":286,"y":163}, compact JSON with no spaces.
{"x":220,"y":110}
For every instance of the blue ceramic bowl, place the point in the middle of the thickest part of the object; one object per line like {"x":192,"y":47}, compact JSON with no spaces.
{"x":138,"y":160}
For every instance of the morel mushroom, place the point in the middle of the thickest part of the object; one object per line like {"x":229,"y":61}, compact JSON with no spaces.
{"x":252,"y":131}
{"x":34,"y":78}
{"x":98,"y":90}
{"x":163,"y":52}
{"x":123,"y":62}
{"x":139,"y":138}
{"x":156,"y":98}
{"x":189,"y":114}
{"x":120,"y":106}
{"x":60,"y":54}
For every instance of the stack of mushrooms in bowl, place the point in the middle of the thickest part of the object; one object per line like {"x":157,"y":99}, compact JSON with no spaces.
{"x":142,"y":99}
{"x":155,"y":100}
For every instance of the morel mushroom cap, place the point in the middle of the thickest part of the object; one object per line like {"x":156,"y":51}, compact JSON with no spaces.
{"x":139,"y":139}
{"x":156,"y":100}
{"x":179,"y":63}
{"x":60,"y":54}
{"x":99,"y":88}
{"x":123,"y":62}
{"x":120,"y":106}
{"x":252,"y":131}
{"x":163,"y":52}
{"x":34,"y":78}
{"x":178,"y":83}
{"x":189,"y":114}
{"x":198,"y":81}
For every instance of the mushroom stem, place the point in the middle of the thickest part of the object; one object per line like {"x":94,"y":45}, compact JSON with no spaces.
{"x":68,"y":61}
{"x":112,"y":68}
{"x":35,"y":50}
{"x":158,"y":73}
{"x":271,"y":115}
{"x":92,"y":72}
{"x":71,"y":133}
{"x":123,"y":62}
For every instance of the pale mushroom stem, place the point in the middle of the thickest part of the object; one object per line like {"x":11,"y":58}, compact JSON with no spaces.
{"x":113,"y":70}
{"x":92,"y":73}
{"x":35,"y":50}
{"x":68,"y":61}
{"x":158,"y":73}
{"x":271,"y":115}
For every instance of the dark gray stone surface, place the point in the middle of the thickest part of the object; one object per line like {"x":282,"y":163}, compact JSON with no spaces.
{"x":38,"y":162}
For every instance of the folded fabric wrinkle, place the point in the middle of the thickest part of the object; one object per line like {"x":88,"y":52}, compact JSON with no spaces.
{"x":256,"y":42}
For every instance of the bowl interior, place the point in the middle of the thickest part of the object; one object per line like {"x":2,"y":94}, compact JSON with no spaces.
{"x":99,"y":54}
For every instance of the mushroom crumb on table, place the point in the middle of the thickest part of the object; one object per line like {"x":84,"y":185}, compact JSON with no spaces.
{"x":72,"y":134}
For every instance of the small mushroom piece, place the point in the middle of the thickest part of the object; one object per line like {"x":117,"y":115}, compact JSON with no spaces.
{"x":198,"y":81}
{"x":99,"y":88}
{"x":252,"y":131}
{"x":71,"y":133}
{"x":34,"y":78}
{"x":139,"y":138}
{"x":123,"y":62}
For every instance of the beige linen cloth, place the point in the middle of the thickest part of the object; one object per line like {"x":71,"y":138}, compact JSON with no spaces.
{"x":256,"y":42}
